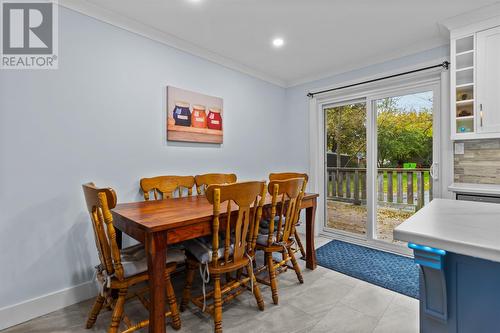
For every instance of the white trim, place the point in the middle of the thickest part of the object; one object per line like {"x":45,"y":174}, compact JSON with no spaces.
{"x":470,"y":188}
{"x":316,"y":160}
{"x":21,"y":312}
{"x":371,"y":171}
{"x":472,"y":21}
{"x":447,"y":164}
{"x":144,"y":30}
{"x":431,"y":80}
{"x":473,"y":136}
{"x":386,"y":247}
{"x":475,"y":27}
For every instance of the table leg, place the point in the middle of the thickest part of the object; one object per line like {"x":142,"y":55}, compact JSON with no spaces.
{"x":156,"y":244}
{"x":119,"y":238}
{"x":310,"y":248}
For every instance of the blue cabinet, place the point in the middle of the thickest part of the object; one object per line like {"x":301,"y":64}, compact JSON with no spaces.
{"x":458,"y":293}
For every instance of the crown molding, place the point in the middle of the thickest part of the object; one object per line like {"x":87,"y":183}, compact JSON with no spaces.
{"x":490,"y":12}
{"x":144,"y":30}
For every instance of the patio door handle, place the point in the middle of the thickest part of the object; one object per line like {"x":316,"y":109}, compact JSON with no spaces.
{"x":432,"y":172}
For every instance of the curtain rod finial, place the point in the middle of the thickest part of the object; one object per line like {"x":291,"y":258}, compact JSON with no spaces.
{"x":446,"y":64}
{"x":310,"y":95}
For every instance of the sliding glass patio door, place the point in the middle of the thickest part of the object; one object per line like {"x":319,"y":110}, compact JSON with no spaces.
{"x":345,"y":141}
{"x":380,"y":162}
{"x":404,"y":159}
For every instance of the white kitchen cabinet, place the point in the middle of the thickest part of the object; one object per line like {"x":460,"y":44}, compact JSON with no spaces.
{"x":475,"y":83}
{"x":463,"y":87}
{"x":488,"y":80}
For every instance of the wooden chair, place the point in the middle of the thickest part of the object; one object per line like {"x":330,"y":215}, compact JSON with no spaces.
{"x":202,"y":181}
{"x":285,"y":208}
{"x":120,"y":269}
{"x":237,"y":233}
{"x":285,"y":176}
{"x":166,"y":186}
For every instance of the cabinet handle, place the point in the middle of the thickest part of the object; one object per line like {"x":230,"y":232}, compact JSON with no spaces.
{"x":481,"y":114}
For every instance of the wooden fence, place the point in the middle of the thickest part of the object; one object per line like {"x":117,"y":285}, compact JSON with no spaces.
{"x":349,"y":184}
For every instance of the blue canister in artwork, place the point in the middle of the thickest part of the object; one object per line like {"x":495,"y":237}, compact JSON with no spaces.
{"x":181,"y":114}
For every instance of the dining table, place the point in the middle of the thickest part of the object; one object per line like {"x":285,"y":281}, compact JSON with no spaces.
{"x":159,"y":223}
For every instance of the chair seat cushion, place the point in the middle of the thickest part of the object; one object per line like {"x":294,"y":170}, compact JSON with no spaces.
{"x":262,"y":238}
{"x":135,"y":261}
{"x":201,"y":248}
{"x":264,"y":225}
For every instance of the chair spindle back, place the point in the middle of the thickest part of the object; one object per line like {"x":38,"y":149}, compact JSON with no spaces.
{"x":164,"y":187}
{"x":288,"y":175}
{"x":100,"y":201}
{"x":203,"y":181}
{"x":285,"y":208}
{"x":249,"y":197}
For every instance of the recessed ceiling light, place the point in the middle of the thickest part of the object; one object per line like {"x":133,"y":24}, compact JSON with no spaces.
{"x":278,"y":42}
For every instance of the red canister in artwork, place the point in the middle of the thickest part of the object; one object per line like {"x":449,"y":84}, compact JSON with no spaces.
{"x":199,"y":117}
{"x":214,"y":120}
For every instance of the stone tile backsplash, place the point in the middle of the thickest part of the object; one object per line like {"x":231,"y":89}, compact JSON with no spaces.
{"x":480,"y":162}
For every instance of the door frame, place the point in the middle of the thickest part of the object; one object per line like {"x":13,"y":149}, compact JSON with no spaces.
{"x":369,"y":93}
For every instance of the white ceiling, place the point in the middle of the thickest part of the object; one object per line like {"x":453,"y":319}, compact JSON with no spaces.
{"x":322,"y":37}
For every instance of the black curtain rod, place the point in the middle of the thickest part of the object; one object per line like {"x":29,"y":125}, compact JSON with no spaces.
{"x":444,"y":64}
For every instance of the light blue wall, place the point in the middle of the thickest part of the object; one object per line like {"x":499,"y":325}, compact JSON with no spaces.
{"x":100,"y":117}
{"x":297,"y":103}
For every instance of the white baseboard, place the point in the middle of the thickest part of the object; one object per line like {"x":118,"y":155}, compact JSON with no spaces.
{"x":18,"y":313}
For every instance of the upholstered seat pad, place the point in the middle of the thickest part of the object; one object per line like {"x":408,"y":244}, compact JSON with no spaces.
{"x":264,"y":224}
{"x":135,"y":261}
{"x":264,"y":229}
{"x":262,"y":238}
{"x":201,"y":249}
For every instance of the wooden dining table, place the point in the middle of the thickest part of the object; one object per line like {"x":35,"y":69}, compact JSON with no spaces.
{"x":160,"y":223}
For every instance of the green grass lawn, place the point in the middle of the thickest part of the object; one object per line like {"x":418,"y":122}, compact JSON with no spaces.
{"x":394,"y":183}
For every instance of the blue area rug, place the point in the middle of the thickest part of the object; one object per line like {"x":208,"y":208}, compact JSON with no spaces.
{"x":383,"y":269}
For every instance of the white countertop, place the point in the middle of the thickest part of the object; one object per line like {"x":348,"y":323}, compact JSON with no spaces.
{"x":490,"y":189}
{"x":463,"y":227}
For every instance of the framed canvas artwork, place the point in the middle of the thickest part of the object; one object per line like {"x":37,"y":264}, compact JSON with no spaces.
{"x":194,"y":117}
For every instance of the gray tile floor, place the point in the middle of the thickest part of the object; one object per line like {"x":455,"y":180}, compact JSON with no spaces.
{"x":327,"y":302}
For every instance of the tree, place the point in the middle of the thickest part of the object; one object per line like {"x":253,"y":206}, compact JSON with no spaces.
{"x":404,"y":135}
{"x":346,"y":131}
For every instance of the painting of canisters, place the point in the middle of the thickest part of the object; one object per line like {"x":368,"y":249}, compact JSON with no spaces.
{"x":193,"y":117}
